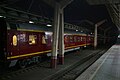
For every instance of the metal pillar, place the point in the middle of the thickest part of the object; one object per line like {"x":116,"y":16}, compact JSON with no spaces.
{"x":61,"y":38}
{"x":58,"y":7}
{"x":55,"y":36}
{"x":95,"y":37}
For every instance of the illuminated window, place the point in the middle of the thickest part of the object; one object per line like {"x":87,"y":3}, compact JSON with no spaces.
{"x":81,"y":38}
{"x":75,"y":39}
{"x":78,"y":39}
{"x":44,"y":39}
{"x":71,"y":39}
{"x":51,"y":39}
{"x":84,"y":39}
{"x":46,"y":36}
{"x":14,"y":40}
{"x":89,"y":39}
{"x":32,"y":39}
{"x":92,"y":39}
{"x":66,"y":39}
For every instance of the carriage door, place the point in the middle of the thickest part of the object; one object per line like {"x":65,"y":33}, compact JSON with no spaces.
{"x":13,"y":42}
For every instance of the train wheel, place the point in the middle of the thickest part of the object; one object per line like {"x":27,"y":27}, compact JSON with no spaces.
{"x":22,"y":63}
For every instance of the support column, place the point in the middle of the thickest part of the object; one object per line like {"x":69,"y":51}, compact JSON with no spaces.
{"x":55,"y":36}
{"x":61,"y":38}
{"x":95,"y":37}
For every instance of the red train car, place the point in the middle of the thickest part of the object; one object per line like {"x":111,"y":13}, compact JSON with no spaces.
{"x":24,"y":43}
{"x":90,"y":40}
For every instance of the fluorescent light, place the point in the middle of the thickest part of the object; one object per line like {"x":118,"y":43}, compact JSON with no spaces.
{"x":31,"y":22}
{"x":118,"y":36}
{"x":1,"y":16}
{"x":48,"y":25}
{"x":48,"y":33}
{"x":76,"y":30}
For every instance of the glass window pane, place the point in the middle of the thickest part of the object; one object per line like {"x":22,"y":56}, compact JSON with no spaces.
{"x":14,"y":40}
{"x":32,"y":39}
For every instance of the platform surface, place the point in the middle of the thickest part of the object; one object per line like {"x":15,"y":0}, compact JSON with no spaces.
{"x":107,"y":67}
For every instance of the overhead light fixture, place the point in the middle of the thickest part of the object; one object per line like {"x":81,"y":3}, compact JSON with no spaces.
{"x":76,"y":30}
{"x":48,"y":25}
{"x":91,"y":33}
{"x":31,"y":22}
{"x":118,"y":36}
{"x":48,"y":33}
{"x":1,"y":16}
{"x":81,"y":31}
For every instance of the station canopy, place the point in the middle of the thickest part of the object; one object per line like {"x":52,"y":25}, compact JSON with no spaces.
{"x":83,"y":13}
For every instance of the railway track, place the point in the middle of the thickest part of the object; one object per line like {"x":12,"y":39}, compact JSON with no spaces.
{"x":69,"y":73}
{"x":75,"y":70}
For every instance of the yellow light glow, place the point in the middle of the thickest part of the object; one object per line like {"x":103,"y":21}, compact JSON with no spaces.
{"x":14,"y":40}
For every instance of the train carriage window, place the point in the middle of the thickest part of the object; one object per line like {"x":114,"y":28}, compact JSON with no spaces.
{"x":89,"y":38}
{"x":92,"y":39}
{"x":32,"y":39}
{"x":66,"y":39}
{"x":71,"y":38}
{"x":14,"y":40}
{"x":81,"y":38}
{"x":78,"y":39}
{"x":75,"y":39}
{"x":84,"y":39}
{"x":22,"y":37}
{"x":46,"y":36}
{"x":44,"y":39}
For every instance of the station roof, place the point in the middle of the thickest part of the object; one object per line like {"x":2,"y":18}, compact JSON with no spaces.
{"x":83,"y":13}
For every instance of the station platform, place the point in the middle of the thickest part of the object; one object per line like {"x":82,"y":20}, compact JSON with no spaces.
{"x":107,"y":67}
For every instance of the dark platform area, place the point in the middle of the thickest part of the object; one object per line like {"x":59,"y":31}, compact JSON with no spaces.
{"x":105,"y":68}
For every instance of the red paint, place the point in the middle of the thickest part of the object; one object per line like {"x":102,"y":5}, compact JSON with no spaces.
{"x":53,"y":62}
{"x":23,"y":46}
{"x":12,"y":50}
{"x":61,"y":59}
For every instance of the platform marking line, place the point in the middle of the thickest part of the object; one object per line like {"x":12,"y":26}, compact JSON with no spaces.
{"x":99,"y":67}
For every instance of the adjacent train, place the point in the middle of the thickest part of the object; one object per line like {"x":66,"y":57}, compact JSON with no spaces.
{"x":23,"y":43}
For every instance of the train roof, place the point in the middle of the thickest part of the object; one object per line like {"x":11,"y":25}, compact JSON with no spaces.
{"x":40,"y":28}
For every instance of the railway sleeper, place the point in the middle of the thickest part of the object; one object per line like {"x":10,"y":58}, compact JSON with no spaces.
{"x":74,"y":70}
